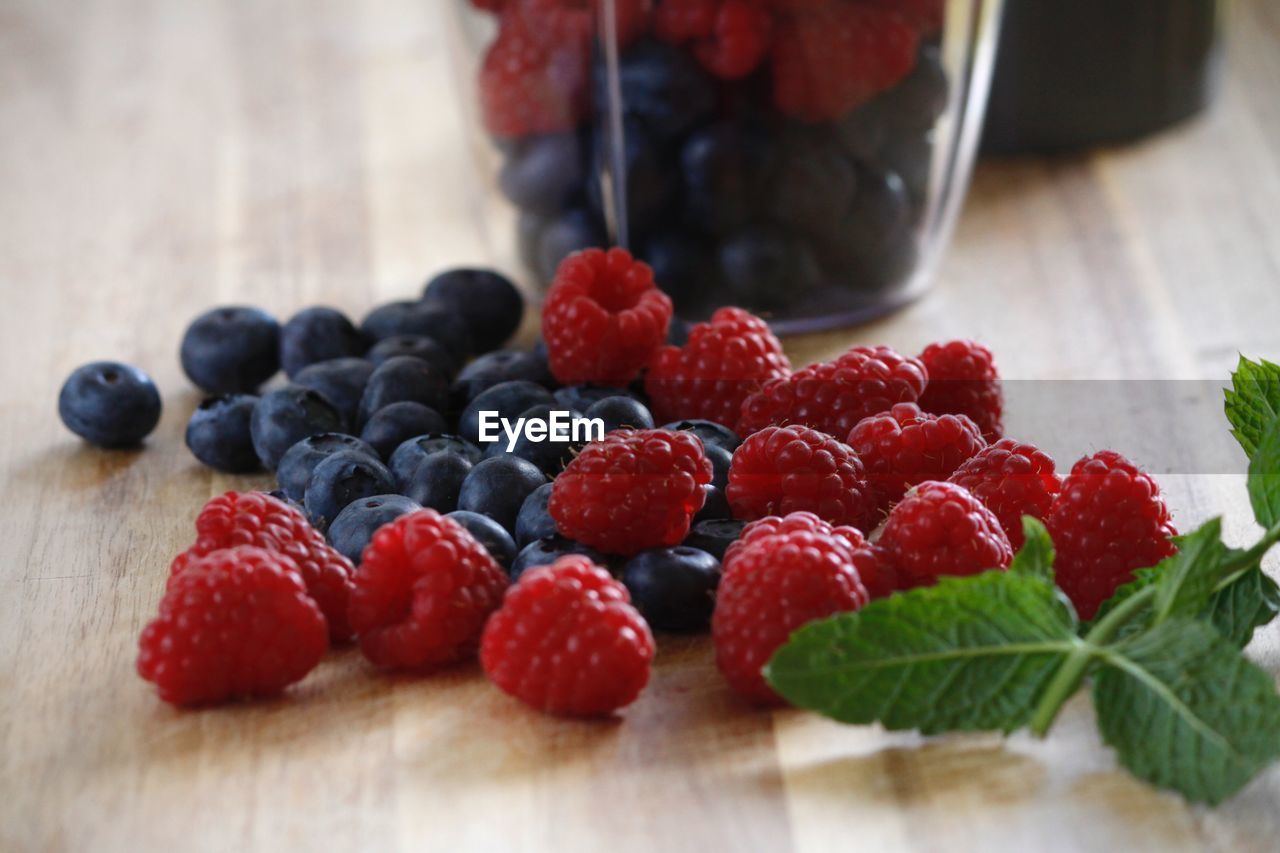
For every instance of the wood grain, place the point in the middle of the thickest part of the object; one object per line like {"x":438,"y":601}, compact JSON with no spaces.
{"x":159,"y":157}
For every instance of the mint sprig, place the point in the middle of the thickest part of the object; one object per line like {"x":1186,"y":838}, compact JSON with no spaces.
{"x":1173,"y":695}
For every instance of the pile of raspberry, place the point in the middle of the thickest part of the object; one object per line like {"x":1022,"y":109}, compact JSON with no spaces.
{"x":772,"y":498}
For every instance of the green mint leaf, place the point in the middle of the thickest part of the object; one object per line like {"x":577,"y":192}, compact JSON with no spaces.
{"x":971,"y":653}
{"x":1264,"y":477}
{"x":1187,"y":579}
{"x":1035,"y":557}
{"x":1185,"y":710}
{"x":1253,"y":401}
{"x":1244,"y":605}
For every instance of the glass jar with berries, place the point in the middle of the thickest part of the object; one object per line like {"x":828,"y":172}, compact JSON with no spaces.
{"x":804,"y":159}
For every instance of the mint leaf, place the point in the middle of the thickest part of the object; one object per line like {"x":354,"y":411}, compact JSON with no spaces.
{"x":1253,"y":401}
{"x":971,"y":653}
{"x":1187,"y":579}
{"x":1244,"y":605}
{"x":1264,"y":477}
{"x":1035,"y":557}
{"x":1184,"y":710}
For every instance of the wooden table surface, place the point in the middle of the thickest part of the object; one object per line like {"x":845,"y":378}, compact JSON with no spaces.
{"x":157,"y":158}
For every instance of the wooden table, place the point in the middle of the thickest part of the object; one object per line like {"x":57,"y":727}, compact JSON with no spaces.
{"x":156,"y":158}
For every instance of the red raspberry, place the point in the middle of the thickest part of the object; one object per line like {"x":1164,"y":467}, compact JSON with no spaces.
{"x":604,"y":318}
{"x":1108,"y":520}
{"x":779,"y":470}
{"x":633,"y":490}
{"x":422,"y":592}
{"x":776,"y":585}
{"x":925,"y":15}
{"x":1012,"y":480}
{"x":830,"y":60}
{"x":494,"y":6}
{"x":833,"y":396}
{"x":556,"y":22}
{"x":738,"y":41}
{"x":679,"y":21}
{"x":963,"y":380}
{"x":567,"y":641}
{"x":906,"y":446}
{"x":724,"y":362}
{"x":529,"y":85}
{"x":941,"y":529}
{"x":254,"y":518}
{"x":236,"y":622}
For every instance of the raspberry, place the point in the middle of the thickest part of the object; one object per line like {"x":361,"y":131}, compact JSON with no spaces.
{"x":236,"y":622}
{"x":1108,"y":520}
{"x":567,"y":641}
{"x":604,"y":318}
{"x":556,"y":22}
{"x":925,"y":15}
{"x":774,"y":586}
{"x":723,"y":363}
{"x":828,"y":61}
{"x":254,"y":518}
{"x":422,"y":592}
{"x":906,"y":446}
{"x":633,"y":490}
{"x":833,"y":396}
{"x":738,"y":40}
{"x":1012,"y":480}
{"x":784,"y":469}
{"x":679,"y":21}
{"x":941,"y":529}
{"x":529,"y":85}
{"x":963,"y":380}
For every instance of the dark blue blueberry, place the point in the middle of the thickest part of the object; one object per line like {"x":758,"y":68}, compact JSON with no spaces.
{"x":571,"y":231}
{"x":354,"y":527}
{"x":407,"y":457}
{"x":550,"y":456}
{"x":875,"y":247}
{"x":543,"y":173}
{"x":417,"y":317}
{"x":286,"y":500}
{"x":529,"y":238}
{"x":673,"y":588}
{"x":300,"y":460}
{"x":684,"y":268}
{"x":318,"y":334}
{"x":709,"y":431}
{"x":714,"y":536}
{"x":648,"y":183}
{"x":619,"y":412}
{"x":496,"y":367}
{"x":418,"y":346}
{"x":544,"y":552}
{"x":392,"y":425}
{"x":497,"y":487}
{"x":109,"y":404}
{"x":283,"y":418}
{"x":508,"y":399}
{"x":400,"y":379}
{"x":911,"y":158}
{"x":726,"y":173}
{"x":218,"y":433}
{"x":346,"y":476}
{"x":489,"y":304}
{"x":662,"y":87}
{"x":720,"y":460}
{"x":534,"y":521}
{"x":915,"y":103}
{"x":341,"y":381}
{"x":437,"y":480}
{"x":678,"y":332}
{"x":715,"y":505}
{"x":815,"y":184}
{"x":489,"y":533}
{"x":583,"y":397}
{"x":763,"y":268}
{"x":231,"y":349}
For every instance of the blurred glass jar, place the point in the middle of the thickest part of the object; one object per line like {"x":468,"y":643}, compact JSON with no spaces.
{"x":805,"y":159}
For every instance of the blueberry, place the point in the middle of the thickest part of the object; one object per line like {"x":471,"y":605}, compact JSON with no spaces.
{"x":715,"y":505}
{"x":678,"y":332}
{"x":404,"y":378}
{"x":583,"y":397}
{"x":496,"y":367}
{"x":673,"y":588}
{"x":815,"y":184}
{"x":529,"y":228}
{"x":911,"y":158}
{"x":109,"y":404}
{"x":550,"y":456}
{"x":915,"y":103}
{"x":488,"y":533}
{"x":231,"y":349}
{"x":542,"y":173}
{"x":619,"y":412}
{"x":354,"y":527}
{"x":300,"y":460}
{"x":544,"y":552}
{"x":684,"y":268}
{"x":287,"y":501}
{"x":508,"y":399}
{"x":428,"y":319}
{"x":571,"y":231}
{"x":497,"y":487}
{"x":437,"y":480}
{"x":534,"y":521}
{"x":318,"y":334}
{"x":489,"y":304}
{"x":662,"y":87}
{"x":346,"y":476}
{"x":418,"y":346}
{"x":341,"y":381}
{"x":407,"y":457}
{"x":714,"y":536}
{"x":284,"y":417}
{"x":392,"y":425}
{"x":218,"y":433}
{"x":726,"y":171}
{"x":766,"y":268}
{"x":876,"y":246}
{"x":709,"y":431}
{"x":646,"y":181}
